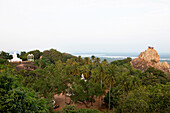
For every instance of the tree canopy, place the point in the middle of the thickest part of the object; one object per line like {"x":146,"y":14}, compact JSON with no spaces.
{"x":123,"y":88}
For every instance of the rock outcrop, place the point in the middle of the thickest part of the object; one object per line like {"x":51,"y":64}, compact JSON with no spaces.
{"x":150,"y":58}
{"x":27,"y":67}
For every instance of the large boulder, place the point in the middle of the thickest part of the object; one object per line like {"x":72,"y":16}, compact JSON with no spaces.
{"x":150,"y":58}
{"x":149,"y":55}
{"x":165,"y":65}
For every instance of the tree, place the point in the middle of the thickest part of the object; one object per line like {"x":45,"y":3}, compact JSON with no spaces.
{"x":97,"y":60}
{"x":42,"y":81}
{"x":3,"y":61}
{"x":85,"y":91}
{"x":4,"y":55}
{"x":93,"y":58}
{"x":54,"y":55}
{"x":87,"y":60}
{"x":102,"y":77}
{"x":124,"y":82}
{"x":16,"y":98}
{"x":43,"y":62}
{"x":36,"y":54}
{"x":153,"y":76}
{"x":121,"y":62}
{"x":72,"y":109}
{"x":79,"y":59}
{"x":23,"y":55}
{"x":104,"y":62}
{"x":146,"y":99}
{"x":110,"y":80}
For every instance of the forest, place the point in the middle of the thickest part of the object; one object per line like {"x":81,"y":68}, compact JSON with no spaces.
{"x":119,"y":87}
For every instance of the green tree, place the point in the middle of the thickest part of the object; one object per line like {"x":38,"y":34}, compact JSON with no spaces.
{"x":43,"y":62}
{"x":4,"y":55}
{"x":23,"y":55}
{"x":72,"y":109}
{"x":16,"y":98}
{"x":110,"y":80}
{"x":97,"y":60}
{"x":54,"y":55}
{"x":36,"y":54}
{"x":153,"y":76}
{"x":150,"y":99}
{"x":85,"y":91}
{"x":87,"y":60}
{"x":93,"y":58}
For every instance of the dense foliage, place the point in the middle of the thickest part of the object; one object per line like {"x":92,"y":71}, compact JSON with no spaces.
{"x":15,"y":98}
{"x":125,"y":89}
{"x":54,"y":55}
{"x":146,"y":99}
{"x":72,"y":109}
{"x":4,"y":57}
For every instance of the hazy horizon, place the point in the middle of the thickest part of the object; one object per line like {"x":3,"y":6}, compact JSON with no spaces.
{"x":85,"y":25}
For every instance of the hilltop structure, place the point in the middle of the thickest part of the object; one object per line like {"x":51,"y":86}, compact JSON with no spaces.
{"x":30,"y":57}
{"x":150,"y":58}
{"x":15,"y":58}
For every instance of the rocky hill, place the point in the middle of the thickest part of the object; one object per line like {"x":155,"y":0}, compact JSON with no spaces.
{"x":150,"y":58}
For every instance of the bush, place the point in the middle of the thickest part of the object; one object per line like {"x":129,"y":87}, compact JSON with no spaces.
{"x":72,"y":109}
{"x":121,"y":62}
{"x":68,"y":108}
{"x":3,"y":61}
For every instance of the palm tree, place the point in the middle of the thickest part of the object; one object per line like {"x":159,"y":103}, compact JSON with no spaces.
{"x":104,"y":62}
{"x":87,"y":60}
{"x":110,"y":80}
{"x":97,"y":60}
{"x":102,"y":77}
{"x":93,"y":58}
{"x":79,"y":58}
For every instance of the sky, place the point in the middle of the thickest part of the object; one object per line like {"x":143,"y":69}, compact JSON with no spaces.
{"x":85,"y":25}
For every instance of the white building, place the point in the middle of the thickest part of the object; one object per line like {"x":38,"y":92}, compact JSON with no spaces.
{"x":30,"y":57}
{"x":15,"y":58}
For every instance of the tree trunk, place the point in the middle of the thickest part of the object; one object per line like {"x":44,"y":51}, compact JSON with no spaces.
{"x":65,"y":97}
{"x":91,"y":101}
{"x":86,"y":104}
{"x":101,"y":95}
{"x":109,"y":95}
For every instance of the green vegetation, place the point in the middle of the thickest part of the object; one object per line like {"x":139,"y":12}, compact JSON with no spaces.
{"x":23,"y":55}
{"x":4,"y":57}
{"x":150,"y":99}
{"x":15,"y":98}
{"x":72,"y":109}
{"x":125,"y":89}
{"x":54,"y":55}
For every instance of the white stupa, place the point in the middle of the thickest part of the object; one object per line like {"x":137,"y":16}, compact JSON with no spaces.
{"x":82,"y":78}
{"x":15,"y":58}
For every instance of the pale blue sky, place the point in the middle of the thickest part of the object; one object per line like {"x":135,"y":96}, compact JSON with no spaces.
{"x":85,"y":25}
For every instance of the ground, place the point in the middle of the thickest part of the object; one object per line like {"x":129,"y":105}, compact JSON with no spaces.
{"x":60,"y":100}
